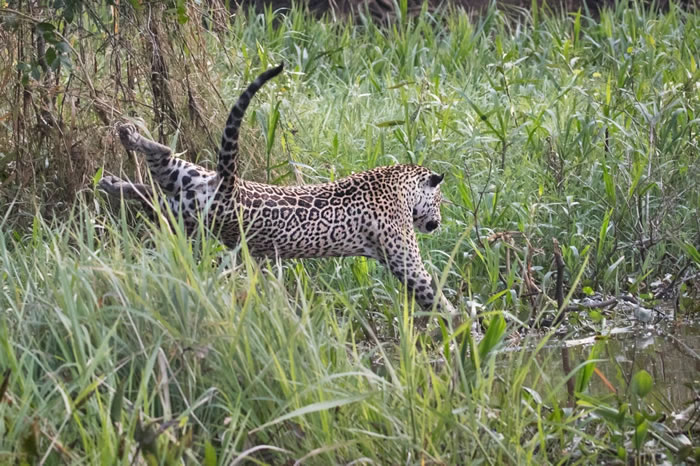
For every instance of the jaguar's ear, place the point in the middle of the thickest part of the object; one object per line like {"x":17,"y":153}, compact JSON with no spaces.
{"x":435,"y":180}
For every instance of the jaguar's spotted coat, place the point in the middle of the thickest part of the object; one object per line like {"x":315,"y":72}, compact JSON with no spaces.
{"x":370,"y":214}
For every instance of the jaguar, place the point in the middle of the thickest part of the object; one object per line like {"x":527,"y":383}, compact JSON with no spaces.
{"x":371,"y":214}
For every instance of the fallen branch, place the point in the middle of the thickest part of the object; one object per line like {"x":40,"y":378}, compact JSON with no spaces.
{"x":592,"y":305}
{"x":683,"y":348}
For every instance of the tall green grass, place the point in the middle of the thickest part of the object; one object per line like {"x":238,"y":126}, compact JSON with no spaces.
{"x":125,"y":339}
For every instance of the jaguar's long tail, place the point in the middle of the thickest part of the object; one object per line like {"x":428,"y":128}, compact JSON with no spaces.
{"x":227,"y":166}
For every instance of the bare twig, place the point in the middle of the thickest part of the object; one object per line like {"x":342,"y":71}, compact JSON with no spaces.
{"x":5,"y":383}
{"x":565,"y":361}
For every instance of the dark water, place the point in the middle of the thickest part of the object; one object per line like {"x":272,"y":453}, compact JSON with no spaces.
{"x":669,"y":351}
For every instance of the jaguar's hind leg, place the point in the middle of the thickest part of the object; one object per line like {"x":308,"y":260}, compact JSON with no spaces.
{"x":159,"y":157}
{"x":117,"y":187}
{"x":172,"y":174}
{"x":121,"y":189}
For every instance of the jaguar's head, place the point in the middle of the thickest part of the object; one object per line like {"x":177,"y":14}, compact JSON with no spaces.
{"x":426,"y":210}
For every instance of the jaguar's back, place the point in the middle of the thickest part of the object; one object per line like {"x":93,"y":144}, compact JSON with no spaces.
{"x":353,"y":216}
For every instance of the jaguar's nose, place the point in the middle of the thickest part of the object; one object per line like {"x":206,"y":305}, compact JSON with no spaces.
{"x":431,"y":225}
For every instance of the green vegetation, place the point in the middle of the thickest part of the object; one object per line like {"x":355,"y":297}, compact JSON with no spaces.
{"x":122,"y":340}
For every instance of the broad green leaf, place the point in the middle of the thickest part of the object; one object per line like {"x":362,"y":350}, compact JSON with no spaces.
{"x":641,"y":383}
{"x":209,"y":454}
{"x":585,"y":374}
{"x":640,"y":434}
{"x":51,"y":57}
{"x":388,"y":123}
{"x":115,"y":411}
{"x":692,"y":252}
{"x":494,"y":334}
{"x":621,"y":452}
{"x":98,"y":176}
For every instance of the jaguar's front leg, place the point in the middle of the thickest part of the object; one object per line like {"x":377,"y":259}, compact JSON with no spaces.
{"x":403,"y":259}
